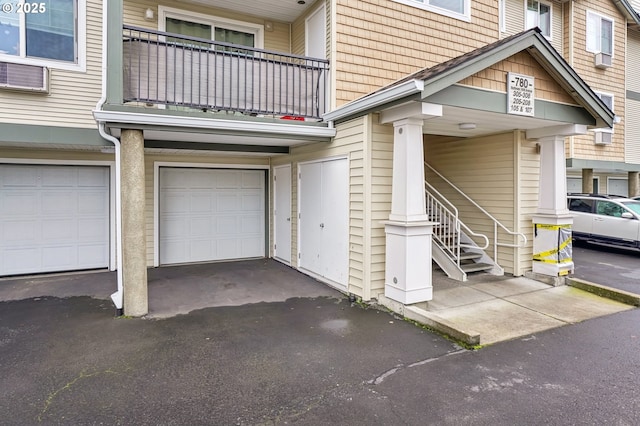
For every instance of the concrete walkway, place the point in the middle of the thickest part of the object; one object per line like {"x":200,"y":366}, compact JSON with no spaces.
{"x":488,"y":309}
{"x":484,"y":310}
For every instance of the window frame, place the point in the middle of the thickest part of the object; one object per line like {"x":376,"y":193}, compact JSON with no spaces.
{"x":601,"y":17}
{"x":201,"y":18}
{"x":80,"y":64}
{"x":527,"y":25}
{"x":424,"y":4}
{"x":600,"y":95}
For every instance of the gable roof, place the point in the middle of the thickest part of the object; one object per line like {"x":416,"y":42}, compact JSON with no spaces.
{"x":428,"y":81}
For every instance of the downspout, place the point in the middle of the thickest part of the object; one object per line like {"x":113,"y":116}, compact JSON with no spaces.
{"x":118,"y":296}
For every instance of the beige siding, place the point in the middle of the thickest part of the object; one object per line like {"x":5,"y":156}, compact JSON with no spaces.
{"x":611,"y":80}
{"x":349,"y":142}
{"x":632,"y":143}
{"x":632,"y":118}
{"x":277,"y":40}
{"x":495,"y":78}
{"x":484,"y":169}
{"x":378,"y":42}
{"x":380,"y":206}
{"x":526,"y":194}
{"x":73,"y":94}
{"x":205,"y":160}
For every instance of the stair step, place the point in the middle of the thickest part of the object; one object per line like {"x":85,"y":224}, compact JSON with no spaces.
{"x":476,"y":267}
{"x":470,"y":255}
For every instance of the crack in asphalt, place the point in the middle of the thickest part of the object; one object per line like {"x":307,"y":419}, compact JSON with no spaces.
{"x":382,"y":377}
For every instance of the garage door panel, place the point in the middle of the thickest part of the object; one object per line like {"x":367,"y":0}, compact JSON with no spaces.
{"x":251,"y":181}
{"x":221,"y":214}
{"x":59,"y":202}
{"x":92,"y":255}
{"x":227,"y":203}
{"x":20,"y":260}
{"x":92,"y":203}
{"x":58,"y":230}
{"x":21,"y":232}
{"x":93,"y":229}
{"x":174,"y":203}
{"x":201,"y":202}
{"x":18,"y":204}
{"x":252,"y":202}
{"x":60,"y":256}
{"x":19,"y":176}
{"x":200,"y":227}
{"x":59,"y":177}
{"x":173,"y":227}
{"x":91,"y":178}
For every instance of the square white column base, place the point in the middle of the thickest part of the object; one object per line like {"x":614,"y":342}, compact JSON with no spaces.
{"x":545,"y":246}
{"x":408,"y":277}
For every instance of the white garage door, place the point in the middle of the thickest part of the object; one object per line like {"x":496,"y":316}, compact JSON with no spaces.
{"x":211,"y":214}
{"x":618,"y":186}
{"x":53,"y":218}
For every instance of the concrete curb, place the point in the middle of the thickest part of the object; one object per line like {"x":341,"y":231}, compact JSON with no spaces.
{"x":604,"y":291}
{"x":431,"y":320}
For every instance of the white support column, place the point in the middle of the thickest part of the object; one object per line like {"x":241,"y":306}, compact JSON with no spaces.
{"x":552,"y":251}
{"x":408,"y":277}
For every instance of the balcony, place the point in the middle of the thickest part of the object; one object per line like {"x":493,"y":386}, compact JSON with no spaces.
{"x":178,"y":72}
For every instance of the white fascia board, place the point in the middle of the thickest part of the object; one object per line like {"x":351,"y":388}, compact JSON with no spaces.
{"x":209,"y":124}
{"x":377,"y":99}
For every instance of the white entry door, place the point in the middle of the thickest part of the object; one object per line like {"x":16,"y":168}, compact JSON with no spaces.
{"x":323,"y":194}
{"x":282,"y":213}
{"x":53,"y":218}
{"x":211,"y":214}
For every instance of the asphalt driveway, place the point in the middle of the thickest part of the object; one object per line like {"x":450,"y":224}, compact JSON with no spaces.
{"x":69,"y":361}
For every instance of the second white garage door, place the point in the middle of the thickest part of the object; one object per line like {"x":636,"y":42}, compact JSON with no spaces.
{"x":211,"y":214}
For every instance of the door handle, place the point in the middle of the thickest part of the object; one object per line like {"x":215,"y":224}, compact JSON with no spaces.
{"x":288,"y":219}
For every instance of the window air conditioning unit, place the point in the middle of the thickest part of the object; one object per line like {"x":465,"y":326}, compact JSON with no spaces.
{"x":603,"y":138}
{"x":21,"y":77}
{"x":603,"y":60}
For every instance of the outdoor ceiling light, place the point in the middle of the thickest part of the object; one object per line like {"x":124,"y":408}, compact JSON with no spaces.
{"x":467,"y":126}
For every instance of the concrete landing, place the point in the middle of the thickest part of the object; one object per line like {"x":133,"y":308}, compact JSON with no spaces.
{"x":489,"y":309}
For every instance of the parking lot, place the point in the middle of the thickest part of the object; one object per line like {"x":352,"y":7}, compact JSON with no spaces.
{"x":613,"y":267}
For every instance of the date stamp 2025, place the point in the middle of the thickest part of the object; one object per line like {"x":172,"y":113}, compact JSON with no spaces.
{"x":23,"y":7}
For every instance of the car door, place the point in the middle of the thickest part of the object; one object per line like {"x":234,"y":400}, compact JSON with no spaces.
{"x":583,"y":216}
{"x":610,"y":226}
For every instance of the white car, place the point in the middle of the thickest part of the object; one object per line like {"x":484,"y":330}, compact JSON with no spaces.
{"x":605,"y":219}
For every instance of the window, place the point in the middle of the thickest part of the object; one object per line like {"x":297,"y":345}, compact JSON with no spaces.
{"x":580,"y":205}
{"x":210,"y":28}
{"x":599,"y":33}
{"x":460,"y":9}
{"x":538,"y":14}
{"x":49,"y":37}
{"x":607,"y":208}
{"x":606,"y":98}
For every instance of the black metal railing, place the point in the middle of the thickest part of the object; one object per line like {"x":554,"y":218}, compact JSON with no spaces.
{"x":170,"y":69}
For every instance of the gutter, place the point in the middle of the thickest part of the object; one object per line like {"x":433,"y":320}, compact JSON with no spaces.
{"x":118,"y":296}
{"x":375,"y":100}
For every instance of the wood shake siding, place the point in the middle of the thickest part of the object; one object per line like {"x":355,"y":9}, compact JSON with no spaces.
{"x":610,"y":80}
{"x":349,"y":142}
{"x":72,"y":94}
{"x":484,"y":169}
{"x":205,"y":160}
{"x":495,"y":78}
{"x":380,"y":41}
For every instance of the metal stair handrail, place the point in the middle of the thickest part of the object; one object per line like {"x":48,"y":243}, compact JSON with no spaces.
{"x":448,"y":215}
{"x":496,"y":222}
